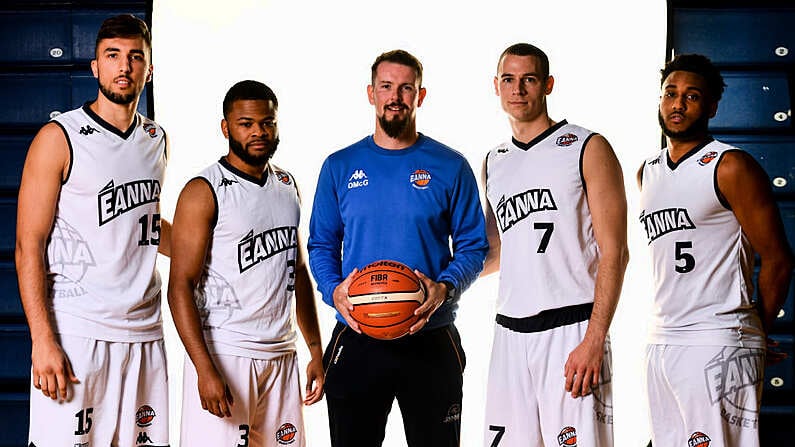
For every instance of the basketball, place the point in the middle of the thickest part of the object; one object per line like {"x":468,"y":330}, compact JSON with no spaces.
{"x":385,"y":295}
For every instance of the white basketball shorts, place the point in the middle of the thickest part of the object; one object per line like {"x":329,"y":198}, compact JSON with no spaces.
{"x":267,"y":409}
{"x":526,"y":401}
{"x":704,"y":395}
{"x":121,"y":400}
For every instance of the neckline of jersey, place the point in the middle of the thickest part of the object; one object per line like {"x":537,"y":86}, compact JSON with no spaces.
{"x":247,"y":177}
{"x":396,"y":152}
{"x":543,"y":135}
{"x":672,"y":166}
{"x":108,"y":126}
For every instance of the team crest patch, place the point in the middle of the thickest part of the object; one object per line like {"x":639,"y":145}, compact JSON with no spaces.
{"x":708,"y":157}
{"x":566,"y":140}
{"x":144,"y":416}
{"x":283,"y":177}
{"x":420,"y":179}
{"x":698,"y":439}
{"x":568,"y":437}
{"x":151,"y":129}
{"x":286,"y":433}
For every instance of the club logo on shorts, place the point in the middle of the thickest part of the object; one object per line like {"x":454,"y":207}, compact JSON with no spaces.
{"x":698,"y":439}
{"x":568,"y":437}
{"x":420,"y":179}
{"x":283,"y":177}
{"x":151,"y":129}
{"x":706,"y":158}
{"x":566,"y":140}
{"x":286,"y":433}
{"x":144,"y":416}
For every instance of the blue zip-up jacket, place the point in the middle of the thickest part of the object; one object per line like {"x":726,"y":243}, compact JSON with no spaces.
{"x":410,"y":205}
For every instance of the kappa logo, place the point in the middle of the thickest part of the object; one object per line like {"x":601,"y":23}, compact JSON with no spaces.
{"x":144,"y":416}
{"x":358,"y":179}
{"x":566,"y":140}
{"x":502,"y":149}
{"x":88,"y":130}
{"x":143,"y":438}
{"x":706,"y":158}
{"x":227,"y":182}
{"x":420,"y":179}
{"x":698,"y":439}
{"x":286,"y":434}
{"x":283,"y":177}
{"x":151,"y":129}
{"x":568,"y":437}
{"x":656,"y":161}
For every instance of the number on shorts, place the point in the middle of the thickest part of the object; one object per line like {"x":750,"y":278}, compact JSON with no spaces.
{"x":83,"y":421}
{"x":244,"y":435}
{"x":500,"y":433}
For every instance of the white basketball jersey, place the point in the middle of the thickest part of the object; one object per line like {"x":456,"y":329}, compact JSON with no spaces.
{"x":245,"y":296}
{"x":103,"y":246}
{"x":702,"y":261}
{"x":548,"y":254}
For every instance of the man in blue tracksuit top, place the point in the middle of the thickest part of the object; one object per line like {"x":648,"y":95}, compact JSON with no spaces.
{"x":396,"y":195}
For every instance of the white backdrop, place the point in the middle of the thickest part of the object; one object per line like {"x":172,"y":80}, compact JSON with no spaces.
{"x":316,"y":55}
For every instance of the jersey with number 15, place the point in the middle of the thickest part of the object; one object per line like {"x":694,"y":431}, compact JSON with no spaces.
{"x":103,"y":247}
{"x":548,"y":255}
{"x":702,"y":261}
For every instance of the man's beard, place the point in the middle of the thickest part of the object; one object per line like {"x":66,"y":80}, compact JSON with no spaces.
{"x":394,"y":128}
{"x":117,"y":98}
{"x":250,"y":159}
{"x":697,"y":128}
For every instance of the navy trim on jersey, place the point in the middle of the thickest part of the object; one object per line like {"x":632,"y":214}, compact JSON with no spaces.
{"x":640,"y":174}
{"x":538,"y":139}
{"x":165,"y":143}
{"x":547,"y":319}
{"x":689,"y":154}
{"x":215,"y":198}
{"x":71,"y":153}
{"x":108,"y":126}
{"x":582,"y":156}
{"x":250,"y":178}
{"x":718,"y":194}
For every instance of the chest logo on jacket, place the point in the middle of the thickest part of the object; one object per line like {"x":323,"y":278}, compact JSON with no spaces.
{"x":358,"y":179}
{"x":517,"y":208}
{"x":661,"y":222}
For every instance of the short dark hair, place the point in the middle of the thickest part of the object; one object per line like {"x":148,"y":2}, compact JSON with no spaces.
{"x":700,"y":65}
{"x":125,"y":26}
{"x":248,"y":89}
{"x":401,"y":57}
{"x":526,"y":49}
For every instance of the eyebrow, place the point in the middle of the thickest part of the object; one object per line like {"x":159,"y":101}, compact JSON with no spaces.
{"x":112,"y":49}
{"x":511,"y":75}
{"x":689,"y":87}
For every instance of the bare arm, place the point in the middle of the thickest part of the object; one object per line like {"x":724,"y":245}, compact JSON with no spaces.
{"x":745,"y":187}
{"x":306,"y":314}
{"x":165,"y":238}
{"x":492,"y":263}
{"x":608,"y":204}
{"x":45,"y":166}
{"x":189,"y":241}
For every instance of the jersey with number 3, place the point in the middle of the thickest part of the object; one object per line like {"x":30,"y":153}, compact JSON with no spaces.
{"x":548,"y":254}
{"x":245,"y":296}
{"x":702,"y":261}
{"x":102,"y":250}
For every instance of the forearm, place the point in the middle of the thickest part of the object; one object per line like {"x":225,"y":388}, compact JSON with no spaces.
{"x":306,"y":313}
{"x":188,"y":323}
{"x":774,"y":278}
{"x":165,"y":238}
{"x":607,"y":290}
{"x":31,"y":275}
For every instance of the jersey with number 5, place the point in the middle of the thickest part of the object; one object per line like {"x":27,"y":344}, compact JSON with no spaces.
{"x":702,"y":261}
{"x":548,"y":254}
{"x":102,"y":250}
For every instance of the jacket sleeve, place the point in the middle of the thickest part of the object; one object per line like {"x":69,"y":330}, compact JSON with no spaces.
{"x":468,"y":232}
{"x":325,"y":235}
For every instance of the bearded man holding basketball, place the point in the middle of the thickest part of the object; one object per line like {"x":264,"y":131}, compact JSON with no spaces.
{"x":434,"y":205}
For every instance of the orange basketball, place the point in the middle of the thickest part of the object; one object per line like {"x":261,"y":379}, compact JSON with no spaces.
{"x":385,"y":295}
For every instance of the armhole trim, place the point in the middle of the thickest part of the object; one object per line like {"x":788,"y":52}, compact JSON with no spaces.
{"x":71,"y":153}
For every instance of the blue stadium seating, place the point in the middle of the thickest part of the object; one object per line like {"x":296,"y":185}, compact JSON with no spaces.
{"x":754,"y":101}
{"x":8,"y":210}
{"x":779,"y":377}
{"x":736,"y":36}
{"x":10,"y":306}
{"x":15,"y":410}
{"x":15,"y":346}
{"x":776,"y":154}
{"x":13,"y":149}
